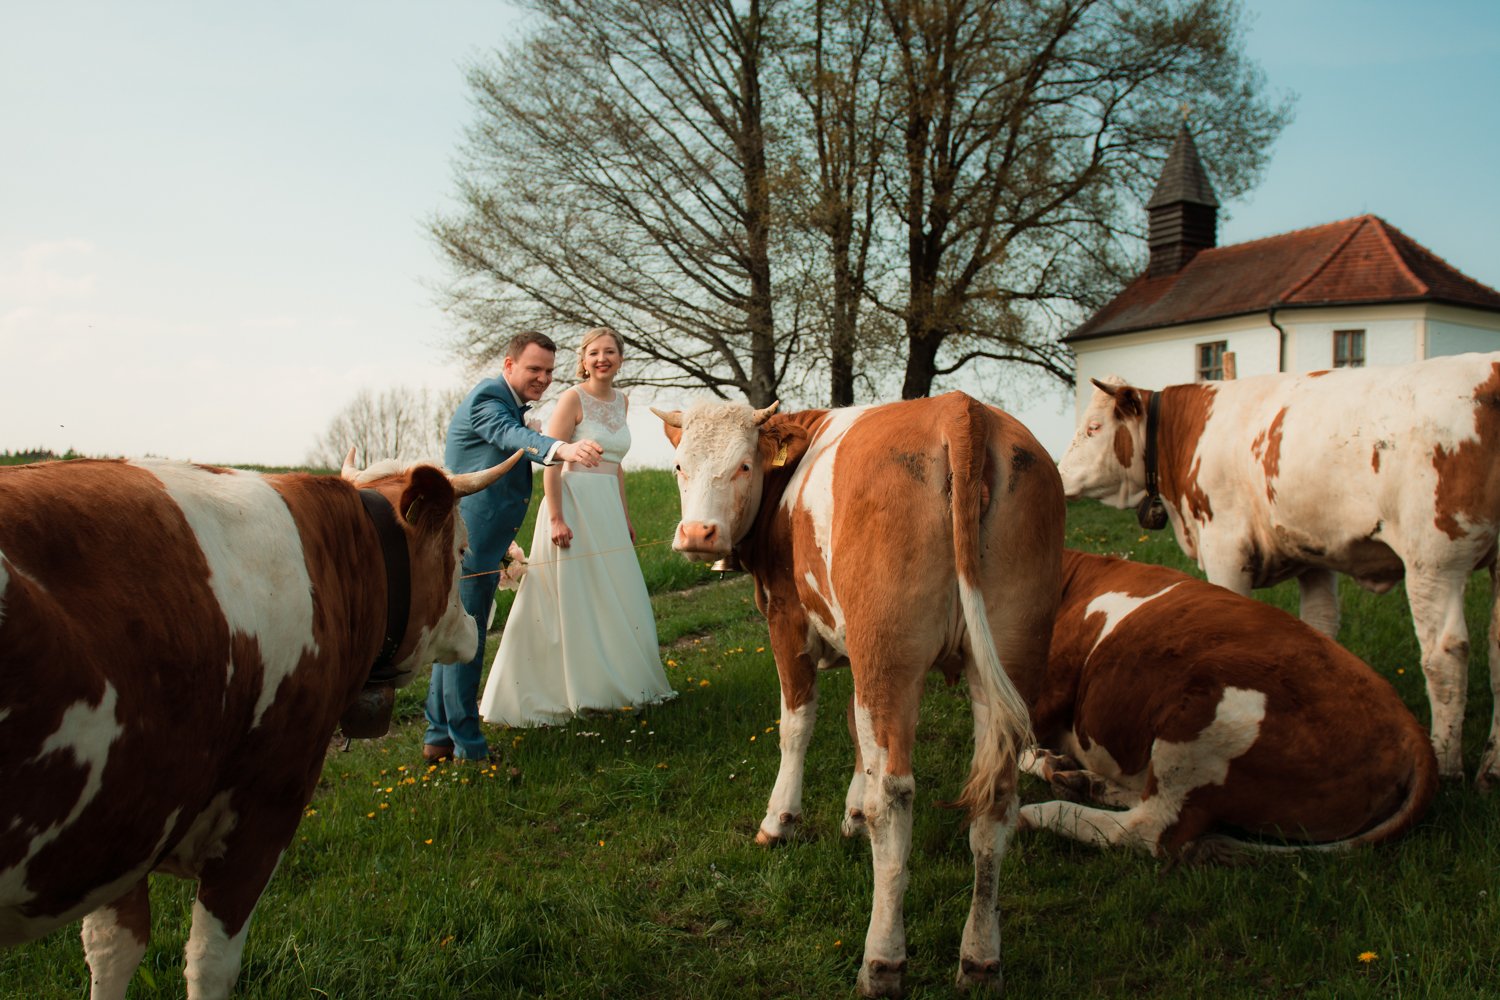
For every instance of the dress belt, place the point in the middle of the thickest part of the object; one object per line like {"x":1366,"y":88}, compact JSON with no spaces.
{"x":603,"y":468}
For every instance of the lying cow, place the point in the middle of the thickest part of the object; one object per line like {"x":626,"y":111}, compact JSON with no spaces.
{"x":823,"y":508}
{"x":1205,"y":715}
{"x":177,"y":645}
{"x":1373,"y":472}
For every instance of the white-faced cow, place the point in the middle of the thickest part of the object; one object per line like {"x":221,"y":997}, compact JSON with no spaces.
{"x":1373,"y":472}
{"x":824,"y":509}
{"x":1205,"y":715}
{"x":177,"y":645}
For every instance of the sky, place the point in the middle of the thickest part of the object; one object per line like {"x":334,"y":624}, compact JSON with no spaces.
{"x":213,"y":216}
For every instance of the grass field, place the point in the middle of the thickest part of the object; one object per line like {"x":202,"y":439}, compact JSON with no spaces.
{"x":616,"y":860}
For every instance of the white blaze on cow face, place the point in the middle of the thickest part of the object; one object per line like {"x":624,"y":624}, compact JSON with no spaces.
{"x":719,"y":479}
{"x":1092,"y":466}
{"x":257,"y":569}
{"x":453,"y":638}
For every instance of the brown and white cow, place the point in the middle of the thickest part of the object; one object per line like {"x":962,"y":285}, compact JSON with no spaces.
{"x":823,"y":508}
{"x":177,"y":645}
{"x":1373,"y":472}
{"x":1206,"y":715}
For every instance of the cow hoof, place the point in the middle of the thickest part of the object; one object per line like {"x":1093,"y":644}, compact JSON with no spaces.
{"x":986,"y":975}
{"x":854,"y":824}
{"x":881,"y":979}
{"x":786,"y":825}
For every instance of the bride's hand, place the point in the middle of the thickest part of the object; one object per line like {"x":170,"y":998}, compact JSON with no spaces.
{"x":562,"y":535}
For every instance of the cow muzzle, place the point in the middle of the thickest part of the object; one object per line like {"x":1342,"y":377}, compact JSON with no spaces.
{"x":701,"y":541}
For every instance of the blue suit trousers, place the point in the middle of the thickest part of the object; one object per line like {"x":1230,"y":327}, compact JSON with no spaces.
{"x":453,"y":691}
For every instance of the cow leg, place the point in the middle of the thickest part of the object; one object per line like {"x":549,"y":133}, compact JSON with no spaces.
{"x":114,"y":942}
{"x":989,"y":837}
{"x":228,"y":889}
{"x":890,"y":790}
{"x":1320,"y":600}
{"x":854,"y":799}
{"x":1437,"y":611}
{"x":1489,"y":764}
{"x":1090,"y":825}
{"x":799,"y":712}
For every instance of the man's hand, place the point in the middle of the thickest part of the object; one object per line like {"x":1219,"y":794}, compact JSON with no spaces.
{"x":585,"y":452}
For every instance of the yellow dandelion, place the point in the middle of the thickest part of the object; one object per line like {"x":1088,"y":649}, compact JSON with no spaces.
{"x":769,"y":728}
{"x":445,"y":942}
{"x":703,"y":683}
{"x":389,"y":790}
{"x":752,"y":739}
{"x":428,"y":841}
{"x":760,"y":649}
{"x":839,"y":943}
{"x":1367,"y":957}
{"x":385,"y":805}
{"x":1400,"y":670}
{"x":671,"y":663}
{"x":369,"y":815}
{"x":601,"y":843}
{"x":310,"y":812}
{"x":401,"y":768}
{"x":661,"y":767}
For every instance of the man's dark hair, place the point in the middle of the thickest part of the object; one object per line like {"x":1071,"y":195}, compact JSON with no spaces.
{"x":519,"y":341}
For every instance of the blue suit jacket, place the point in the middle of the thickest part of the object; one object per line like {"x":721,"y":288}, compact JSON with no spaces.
{"x":488,"y":428}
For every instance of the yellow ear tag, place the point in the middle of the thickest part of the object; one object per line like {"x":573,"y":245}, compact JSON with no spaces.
{"x":780,"y":458}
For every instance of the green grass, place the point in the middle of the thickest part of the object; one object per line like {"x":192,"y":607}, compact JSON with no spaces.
{"x":618,"y":860}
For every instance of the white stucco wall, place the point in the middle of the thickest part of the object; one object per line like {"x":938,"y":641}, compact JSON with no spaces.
{"x":1394,"y":335}
{"x":1460,"y":331}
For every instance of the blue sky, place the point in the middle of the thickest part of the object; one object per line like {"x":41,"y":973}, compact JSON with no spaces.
{"x":211,"y":215}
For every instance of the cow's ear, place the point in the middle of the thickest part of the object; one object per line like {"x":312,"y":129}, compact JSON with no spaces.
{"x":782,"y":443}
{"x":428,"y":499}
{"x":1127,"y":402}
{"x":671,"y":422}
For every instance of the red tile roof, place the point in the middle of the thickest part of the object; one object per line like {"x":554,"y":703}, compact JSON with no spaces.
{"x":1360,"y":260}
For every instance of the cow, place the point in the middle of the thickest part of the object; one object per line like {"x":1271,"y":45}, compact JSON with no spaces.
{"x":822,"y":508}
{"x":1206,"y":716}
{"x":178,"y":643}
{"x":1378,"y":473}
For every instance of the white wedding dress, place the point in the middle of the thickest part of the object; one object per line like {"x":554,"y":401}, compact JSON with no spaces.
{"x":581,"y":634}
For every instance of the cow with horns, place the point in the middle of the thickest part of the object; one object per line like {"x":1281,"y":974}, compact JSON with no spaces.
{"x":1380,"y":473}
{"x":823,"y":508}
{"x":177,"y":645}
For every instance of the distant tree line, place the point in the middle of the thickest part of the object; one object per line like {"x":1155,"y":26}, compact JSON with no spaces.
{"x":833,"y":199}
{"x":35,"y":455}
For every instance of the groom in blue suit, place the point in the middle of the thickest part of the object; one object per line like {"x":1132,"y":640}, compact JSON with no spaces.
{"x":490,"y":426}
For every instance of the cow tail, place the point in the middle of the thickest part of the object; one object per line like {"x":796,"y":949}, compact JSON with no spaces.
{"x":1008,"y":730}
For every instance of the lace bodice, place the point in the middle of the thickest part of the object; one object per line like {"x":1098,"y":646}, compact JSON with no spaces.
{"x":604,"y":421}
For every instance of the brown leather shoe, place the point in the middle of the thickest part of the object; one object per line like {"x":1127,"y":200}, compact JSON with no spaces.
{"x":436,"y":753}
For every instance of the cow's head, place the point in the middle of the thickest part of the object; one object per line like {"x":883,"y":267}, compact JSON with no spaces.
{"x":425,"y":499}
{"x":1106,"y":458}
{"x":723,"y":453}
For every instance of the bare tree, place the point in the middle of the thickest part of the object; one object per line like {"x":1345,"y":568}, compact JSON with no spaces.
{"x":1031,"y":132}
{"x":833,"y":196}
{"x":617,"y":174}
{"x":400,"y":423}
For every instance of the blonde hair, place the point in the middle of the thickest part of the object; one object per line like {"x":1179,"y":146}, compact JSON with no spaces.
{"x":591,"y":335}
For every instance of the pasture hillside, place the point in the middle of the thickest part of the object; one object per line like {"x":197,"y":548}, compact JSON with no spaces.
{"x":613,"y":856}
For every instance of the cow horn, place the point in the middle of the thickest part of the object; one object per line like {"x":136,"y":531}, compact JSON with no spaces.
{"x":465,"y":483}
{"x":350,"y":470}
{"x":672,"y":418}
{"x":764,"y":414}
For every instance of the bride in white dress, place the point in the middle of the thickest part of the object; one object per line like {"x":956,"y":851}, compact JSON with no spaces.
{"x":581,"y":634}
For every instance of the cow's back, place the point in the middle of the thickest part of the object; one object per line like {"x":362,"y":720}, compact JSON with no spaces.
{"x":869,"y":520}
{"x":1351,"y":469}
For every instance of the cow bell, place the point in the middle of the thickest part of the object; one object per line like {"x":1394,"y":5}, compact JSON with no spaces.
{"x":1151,"y":512}
{"x":370,"y":714}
